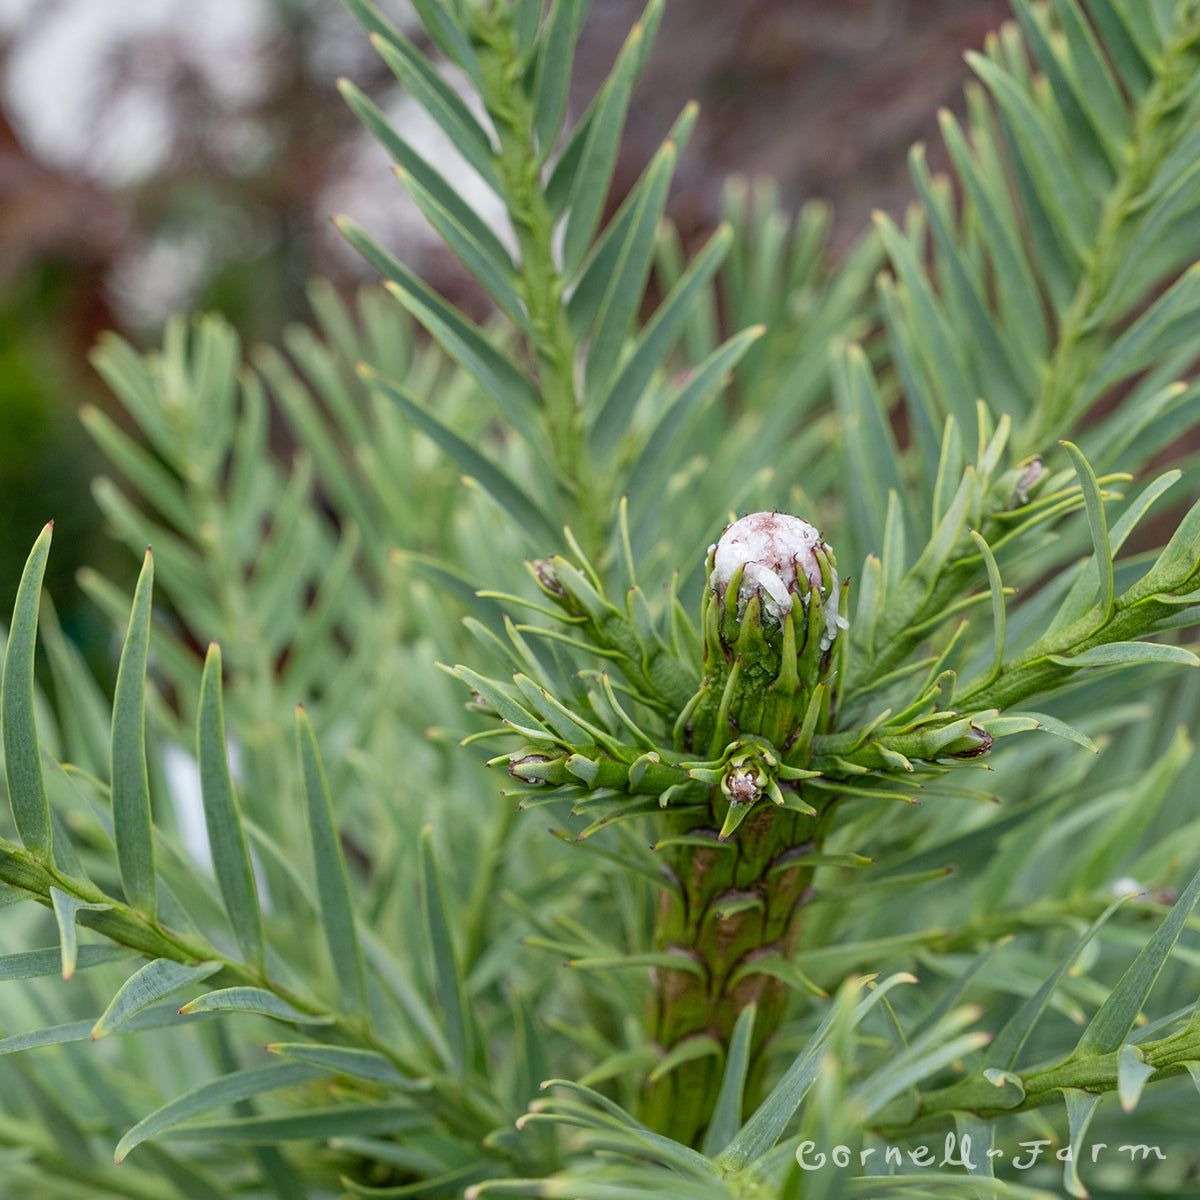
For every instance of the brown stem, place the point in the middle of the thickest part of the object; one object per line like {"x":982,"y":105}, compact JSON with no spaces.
{"x":738,"y":902}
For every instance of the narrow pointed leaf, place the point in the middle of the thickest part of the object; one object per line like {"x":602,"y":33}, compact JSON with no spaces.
{"x":686,"y":1051}
{"x":526,"y":22}
{"x":1133,"y":1072}
{"x":764,"y":1128}
{"x":1081,"y":1107}
{"x":908,"y":1068}
{"x":448,"y":36}
{"x":253,"y":1000}
{"x":1060,"y":729}
{"x":477,"y":252}
{"x":333,"y":885}
{"x":1080,"y":598}
{"x":442,"y":103}
{"x":1096,"y":523}
{"x":733,"y":818}
{"x":950,"y":469}
{"x":22,"y":758}
{"x":767,"y":1124}
{"x":564,"y":175}
{"x":982,"y":1135}
{"x":229,"y":1089}
{"x":431,"y":182}
{"x":1019,"y":299}
{"x":610,"y":289}
{"x":362,"y":1064}
{"x":223,"y":818}
{"x":1133,"y":276}
{"x":137,"y":464}
{"x":65,"y":908}
{"x":930,"y":329}
{"x":130,"y":780}
{"x":670,"y":1151}
{"x":53,"y":1035}
{"x":552,"y":77}
{"x":868,"y":448}
{"x":1068,"y":205}
{"x":524,"y":510}
{"x":439,"y":23}
{"x":508,"y":708}
{"x":1092,"y":138}
{"x":634,"y":962}
{"x":499,"y":377}
{"x":997,"y":593}
{"x":727,"y":1115}
{"x":1005,"y":371}
{"x":593,"y":174}
{"x":1140,"y":20}
{"x":1169,"y":322}
{"x":1113,"y":654}
{"x":127,"y":374}
{"x":450,"y":982}
{"x":1116,"y":1016}
{"x":701,"y":385}
{"x":340,"y":1121}
{"x":619,"y":403}
{"x":34,"y":964}
{"x":154,"y":981}
{"x":778,"y":966}
{"x":1091,"y":68}
{"x":553,"y":715}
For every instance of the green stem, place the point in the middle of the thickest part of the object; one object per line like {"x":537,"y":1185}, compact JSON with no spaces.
{"x":1033,"y":672}
{"x":452,"y":1099}
{"x":541,"y":285}
{"x":1081,"y":341}
{"x":1096,"y":1073}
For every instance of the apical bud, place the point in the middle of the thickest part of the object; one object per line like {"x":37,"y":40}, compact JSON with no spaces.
{"x":770,"y":619}
{"x":777,"y":558}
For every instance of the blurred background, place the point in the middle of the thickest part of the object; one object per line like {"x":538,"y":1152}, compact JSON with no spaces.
{"x":161,"y":155}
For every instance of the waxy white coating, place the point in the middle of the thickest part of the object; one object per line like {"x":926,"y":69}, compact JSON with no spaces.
{"x":774,"y":549}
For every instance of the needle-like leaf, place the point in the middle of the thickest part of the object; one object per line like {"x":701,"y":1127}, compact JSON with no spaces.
{"x":22,"y":757}
{"x":130,"y":779}
{"x":223,"y":818}
{"x":333,"y":885}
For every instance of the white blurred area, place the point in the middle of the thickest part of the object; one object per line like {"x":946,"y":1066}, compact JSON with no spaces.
{"x":183,"y":779}
{"x":124,"y":92}
{"x":88,"y":81}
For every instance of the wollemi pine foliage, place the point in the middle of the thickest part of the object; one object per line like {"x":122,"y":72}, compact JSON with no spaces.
{"x":871,"y":823}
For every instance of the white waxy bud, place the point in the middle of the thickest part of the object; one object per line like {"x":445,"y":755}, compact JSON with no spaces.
{"x":778,"y":555}
{"x":741,"y":787}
